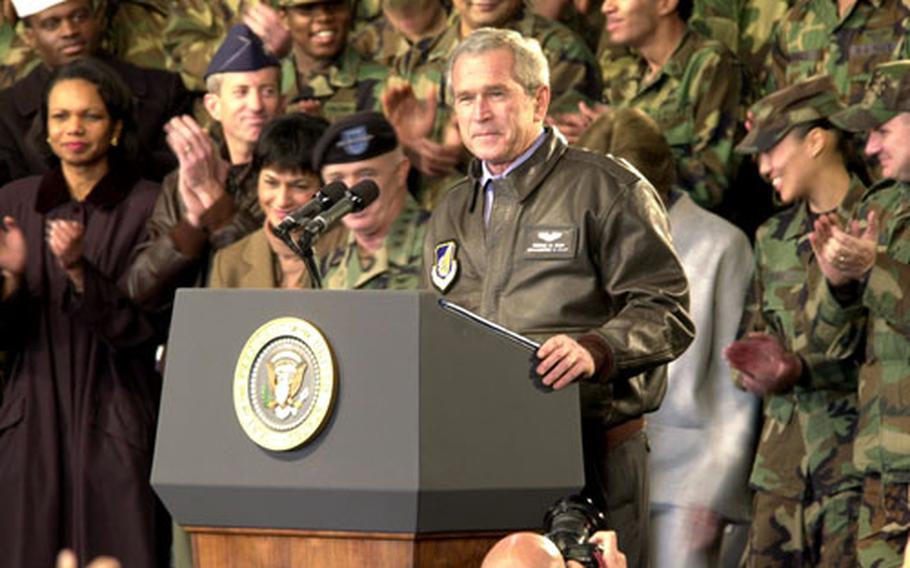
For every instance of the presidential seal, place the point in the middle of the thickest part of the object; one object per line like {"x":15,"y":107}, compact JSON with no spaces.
{"x":284,"y":384}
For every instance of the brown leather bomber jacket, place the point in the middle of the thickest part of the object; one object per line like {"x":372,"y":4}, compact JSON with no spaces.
{"x":577,"y":244}
{"x":177,"y":254}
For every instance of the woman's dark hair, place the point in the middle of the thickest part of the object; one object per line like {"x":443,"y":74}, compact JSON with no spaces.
{"x":847,"y":147}
{"x":117,"y":98}
{"x":287,"y":142}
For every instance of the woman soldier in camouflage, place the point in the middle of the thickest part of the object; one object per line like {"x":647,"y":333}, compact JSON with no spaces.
{"x":807,"y":490}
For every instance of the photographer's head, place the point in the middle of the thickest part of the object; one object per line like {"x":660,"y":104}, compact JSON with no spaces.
{"x":530,"y":550}
{"x":524,"y":550}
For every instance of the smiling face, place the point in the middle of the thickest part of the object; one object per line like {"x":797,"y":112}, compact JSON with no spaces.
{"x":79,"y":128}
{"x":282,"y":192}
{"x":63,"y":33}
{"x":889,"y":145}
{"x":319,"y":30}
{"x":788,"y":166}
{"x":497,"y":118}
{"x":630,"y":22}
{"x":491,"y":13}
{"x":244,"y":103}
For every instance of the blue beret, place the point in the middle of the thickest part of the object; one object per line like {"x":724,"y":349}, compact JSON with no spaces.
{"x":355,"y":138}
{"x":241,"y":50}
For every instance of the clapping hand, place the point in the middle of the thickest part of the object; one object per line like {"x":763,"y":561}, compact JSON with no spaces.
{"x":766,"y":366}
{"x":203,"y":173}
{"x":573,"y":125}
{"x":67,"y":559}
{"x":266,"y":23}
{"x":844,"y":254}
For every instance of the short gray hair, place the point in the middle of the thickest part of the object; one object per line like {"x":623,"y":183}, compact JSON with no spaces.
{"x":530,"y":68}
{"x":213,"y":83}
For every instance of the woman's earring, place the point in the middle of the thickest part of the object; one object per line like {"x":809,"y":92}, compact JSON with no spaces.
{"x":114,"y":140}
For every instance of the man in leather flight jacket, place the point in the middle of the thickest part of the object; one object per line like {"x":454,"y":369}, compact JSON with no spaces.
{"x":567,"y":247}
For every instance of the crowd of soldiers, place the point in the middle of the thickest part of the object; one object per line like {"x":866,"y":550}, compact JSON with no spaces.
{"x":725,"y":83}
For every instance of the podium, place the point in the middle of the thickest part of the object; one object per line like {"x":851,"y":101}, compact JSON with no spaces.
{"x":437,"y":445}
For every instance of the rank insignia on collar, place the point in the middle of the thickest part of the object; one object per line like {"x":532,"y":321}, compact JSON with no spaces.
{"x":445,"y":268}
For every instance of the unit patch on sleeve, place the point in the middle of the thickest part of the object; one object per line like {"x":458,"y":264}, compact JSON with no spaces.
{"x":445,"y":267}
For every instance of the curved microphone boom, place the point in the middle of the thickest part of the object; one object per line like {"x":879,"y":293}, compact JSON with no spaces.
{"x":330,"y":194}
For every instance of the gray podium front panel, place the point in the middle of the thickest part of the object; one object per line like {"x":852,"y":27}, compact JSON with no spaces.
{"x":428,"y":433}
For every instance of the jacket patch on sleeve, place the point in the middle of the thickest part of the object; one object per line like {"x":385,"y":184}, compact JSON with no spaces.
{"x":445,"y":267}
{"x":550,"y":242}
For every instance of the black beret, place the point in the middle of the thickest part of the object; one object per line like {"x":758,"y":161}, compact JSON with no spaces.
{"x":355,"y":138}
{"x":241,"y":50}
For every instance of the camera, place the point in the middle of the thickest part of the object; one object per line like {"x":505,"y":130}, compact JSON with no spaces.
{"x":569,"y":523}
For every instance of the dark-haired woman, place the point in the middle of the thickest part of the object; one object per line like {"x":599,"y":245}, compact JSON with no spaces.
{"x":286,"y":180}
{"x":806,"y":504}
{"x":78,"y":417}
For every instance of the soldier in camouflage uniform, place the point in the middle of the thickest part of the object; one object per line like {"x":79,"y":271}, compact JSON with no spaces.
{"x":807,"y":499}
{"x":403,"y":24}
{"x":323,"y":74}
{"x":816,"y":36}
{"x":132,"y":31}
{"x":383,"y":244}
{"x":867,"y":269}
{"x":690,"y":85}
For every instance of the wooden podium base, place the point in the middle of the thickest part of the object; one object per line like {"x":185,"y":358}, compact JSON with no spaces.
{"x":273,"y":548}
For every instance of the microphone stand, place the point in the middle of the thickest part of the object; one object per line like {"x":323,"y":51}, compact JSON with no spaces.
{"x":305,"y":251}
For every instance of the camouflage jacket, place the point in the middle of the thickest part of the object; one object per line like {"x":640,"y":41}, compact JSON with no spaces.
{"x":746,"y":27}
{"x":351,"y":85}
{"x":396,"y":265}
{"x":364,"y":12}
{"x":379,"y":41}
{"x":883,"y":438}
{"x":695,"y":99}
{"x":812,"y":39}
{"x":806,"y":443}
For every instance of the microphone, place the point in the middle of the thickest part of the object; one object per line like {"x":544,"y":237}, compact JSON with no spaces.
{"x":359,"y":197}
{"x":324,"y":198}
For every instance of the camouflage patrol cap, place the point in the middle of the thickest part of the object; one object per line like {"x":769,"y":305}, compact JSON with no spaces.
{"x":241,"y":50}
{"x":774,"y":116}
{"x":355,"y":138}
{"x":887,"y":95}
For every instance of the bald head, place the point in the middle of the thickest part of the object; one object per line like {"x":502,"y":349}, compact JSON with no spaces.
{"x":524,"y":550}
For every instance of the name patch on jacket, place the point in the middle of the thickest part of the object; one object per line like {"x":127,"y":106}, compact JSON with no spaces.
{"x":547,"y":242}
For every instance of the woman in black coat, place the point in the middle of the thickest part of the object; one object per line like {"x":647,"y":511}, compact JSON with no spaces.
{"x":77,"y":422}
